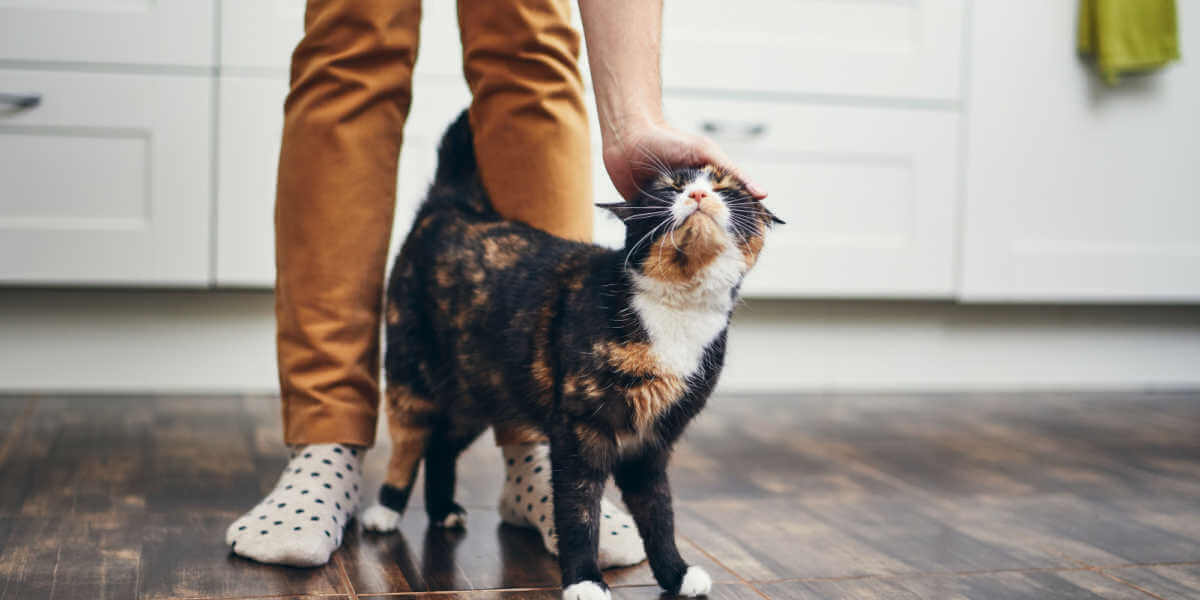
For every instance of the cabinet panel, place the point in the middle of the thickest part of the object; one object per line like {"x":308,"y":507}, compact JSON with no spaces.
{"x":261,"y":35}
{"x":157,"y":32}
{"x":868,"y":194}
{"x":1077,"y":191}
{"x":107,"y":181}
{"x":249,"y":138}
{"x":875,"y":48}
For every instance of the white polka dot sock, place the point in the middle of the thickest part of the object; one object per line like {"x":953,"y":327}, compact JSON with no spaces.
{"x":300,"y":523}
{"x":527,"y":501}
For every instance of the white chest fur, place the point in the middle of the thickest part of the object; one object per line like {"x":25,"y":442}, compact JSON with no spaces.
{"x":683,"y":319}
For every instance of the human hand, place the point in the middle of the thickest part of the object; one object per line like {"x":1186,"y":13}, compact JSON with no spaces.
{"x":643,"y":151}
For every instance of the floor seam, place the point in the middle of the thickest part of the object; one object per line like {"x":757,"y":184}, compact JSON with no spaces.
{"x":341,"y":567}
{"x":315,"y":595}
{"x":717,"y":562}
{"x":917,"y":574}
{"x":1132,"y":585}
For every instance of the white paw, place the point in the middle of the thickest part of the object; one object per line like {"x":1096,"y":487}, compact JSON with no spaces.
{"x":695,"y":582}
{"x":454,"y":520}
{"x":585,"y":590}
{"x":380,"y":518}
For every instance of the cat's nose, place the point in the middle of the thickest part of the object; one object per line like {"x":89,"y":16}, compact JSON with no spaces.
{"x":697,"y":195}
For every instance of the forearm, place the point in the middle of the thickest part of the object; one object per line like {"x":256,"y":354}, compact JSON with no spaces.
{"x":624,"y":38}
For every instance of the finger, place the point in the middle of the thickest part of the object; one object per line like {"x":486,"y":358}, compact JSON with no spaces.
{"x":712,"y":153}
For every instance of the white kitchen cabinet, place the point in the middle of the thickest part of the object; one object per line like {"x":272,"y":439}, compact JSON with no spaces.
{"x":249,"y":137}
{"x":162,"y":33}
{"x":259,"y":35}
{"x":107,"y":181}
{"x":1076,"y":191}
{"x":870,"y":48}
{"x":868,"y":194}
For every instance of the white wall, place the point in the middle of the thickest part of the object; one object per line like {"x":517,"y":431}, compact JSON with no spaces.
{"x":223,"y":342}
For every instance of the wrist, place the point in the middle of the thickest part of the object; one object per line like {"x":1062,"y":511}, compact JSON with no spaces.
{"x":616,"y":128}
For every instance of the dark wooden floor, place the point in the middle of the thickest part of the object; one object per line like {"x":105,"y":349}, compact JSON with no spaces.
{"x":936,"y":496}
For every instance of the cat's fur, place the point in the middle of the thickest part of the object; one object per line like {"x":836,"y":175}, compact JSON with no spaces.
{"x":609,"y":353}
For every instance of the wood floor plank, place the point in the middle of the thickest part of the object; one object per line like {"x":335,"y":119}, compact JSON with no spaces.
{"x":1064,"y":585}
{"x":1163,"y":581}
{"x":901,"y":496}
{"x":487,"y":555}
{"x":719,"y":592}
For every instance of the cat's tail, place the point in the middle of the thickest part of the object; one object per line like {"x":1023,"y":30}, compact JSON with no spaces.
{"x":456,"y":184}
{"x":456,"y":154}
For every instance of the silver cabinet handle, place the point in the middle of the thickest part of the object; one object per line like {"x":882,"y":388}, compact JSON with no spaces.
{"x":740,"y":131}
{"x":21,"y":100}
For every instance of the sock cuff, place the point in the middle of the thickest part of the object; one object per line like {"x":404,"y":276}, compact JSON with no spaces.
{"x":515,"y":454}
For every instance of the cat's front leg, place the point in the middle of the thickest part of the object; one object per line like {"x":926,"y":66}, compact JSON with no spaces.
{"x":578,"y":484}
{"x":647,"y":494}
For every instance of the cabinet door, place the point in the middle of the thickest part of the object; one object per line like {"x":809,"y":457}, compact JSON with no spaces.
{"x":164,"y":32}
{"x":872,"y":48}
{"x":248,"y":139}
{"x":248,"y":135}
{"x":107,"y":181}
{"x":259,"y":35}
{"x":1076,"y":191}
{"x":868,"y":194}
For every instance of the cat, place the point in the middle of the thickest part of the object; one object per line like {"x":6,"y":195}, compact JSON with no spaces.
{"x":608,"y":353}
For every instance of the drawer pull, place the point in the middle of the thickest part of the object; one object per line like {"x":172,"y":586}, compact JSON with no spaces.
{"x":21,"y":100}
{"x":739,"y":132}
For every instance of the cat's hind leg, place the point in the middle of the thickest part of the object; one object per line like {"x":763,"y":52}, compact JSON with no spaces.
{"x":411,"y":419}
{"x":447,"y":440}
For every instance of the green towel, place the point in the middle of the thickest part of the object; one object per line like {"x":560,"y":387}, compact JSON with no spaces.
{"x":1128,"y":36}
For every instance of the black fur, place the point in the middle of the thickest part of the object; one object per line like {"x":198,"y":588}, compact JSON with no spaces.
{"x":497,"y":322}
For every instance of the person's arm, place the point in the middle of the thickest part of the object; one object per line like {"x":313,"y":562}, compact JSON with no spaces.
{"x":623,"y":43}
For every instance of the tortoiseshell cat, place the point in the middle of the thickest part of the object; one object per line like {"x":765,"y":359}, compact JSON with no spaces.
{"x":609,"y":353}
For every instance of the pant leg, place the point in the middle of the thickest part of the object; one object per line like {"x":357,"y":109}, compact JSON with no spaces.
{"x":529,"y":121}
{"x":350,"y":93}
{"x":528,"y":117}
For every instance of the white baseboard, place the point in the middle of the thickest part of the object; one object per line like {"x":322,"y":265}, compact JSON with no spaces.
{"x":217,"y":342}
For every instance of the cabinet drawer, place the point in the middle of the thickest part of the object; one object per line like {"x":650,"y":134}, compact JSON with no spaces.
{"x":868,"y":194}
{"x":164,"y":32}
{"x":107,"y":181}
{"x":876,"y":48}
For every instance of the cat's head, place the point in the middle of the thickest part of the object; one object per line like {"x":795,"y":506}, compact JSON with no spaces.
{"x":689,"y":219}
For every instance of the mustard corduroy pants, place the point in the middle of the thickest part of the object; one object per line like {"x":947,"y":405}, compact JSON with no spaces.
{"x":351,"y":86}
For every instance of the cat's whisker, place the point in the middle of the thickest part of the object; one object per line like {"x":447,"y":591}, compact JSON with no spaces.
{"x":634,"y":248}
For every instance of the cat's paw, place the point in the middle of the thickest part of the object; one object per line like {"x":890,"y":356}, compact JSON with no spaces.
{"x":696,"y":582}
{"x":455,"y":517}
{"x":586,"y":590}
{"x":380,"y":519}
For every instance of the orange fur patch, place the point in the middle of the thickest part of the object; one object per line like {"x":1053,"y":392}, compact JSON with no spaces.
{"x":750,"y":249}
{"x":677,"y":257}
{"x":656,"y":394}
{"x":653,"y":398}
{"x":408,"y":426}
{"x":392,"y":313}
{"x":502,"y":252}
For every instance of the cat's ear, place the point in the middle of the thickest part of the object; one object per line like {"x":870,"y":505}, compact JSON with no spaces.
{"x":622,"y":210}
{"x":774,"y":219}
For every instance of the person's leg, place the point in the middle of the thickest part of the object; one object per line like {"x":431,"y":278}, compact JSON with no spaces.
{"x":350,"y":94}
{"x":529,"y":123}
